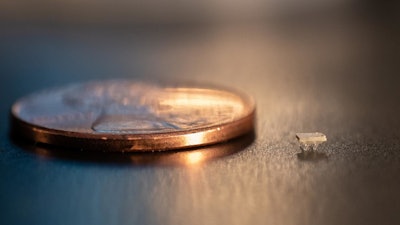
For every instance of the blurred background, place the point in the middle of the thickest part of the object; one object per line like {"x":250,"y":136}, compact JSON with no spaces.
{"x":156,"y":12}
{"x":311,"y":65}
{"x":54,"y":42}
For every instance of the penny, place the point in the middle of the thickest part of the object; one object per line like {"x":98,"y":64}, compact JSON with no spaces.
{"x":125,"y":115}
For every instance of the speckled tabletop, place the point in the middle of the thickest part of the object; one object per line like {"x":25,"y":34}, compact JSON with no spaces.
{"x":336,"y":78}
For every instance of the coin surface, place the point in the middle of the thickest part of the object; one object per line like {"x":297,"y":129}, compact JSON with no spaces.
{"x":125,"y":115}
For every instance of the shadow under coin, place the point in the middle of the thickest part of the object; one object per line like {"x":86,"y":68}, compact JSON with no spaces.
{"x":312,"y":156}
{"x":185,"y":157}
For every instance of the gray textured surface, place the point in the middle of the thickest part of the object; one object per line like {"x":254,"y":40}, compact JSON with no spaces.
{"x":337,"y":77}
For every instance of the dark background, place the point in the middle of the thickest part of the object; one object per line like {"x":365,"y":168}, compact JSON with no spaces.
{"x":329,"y":66}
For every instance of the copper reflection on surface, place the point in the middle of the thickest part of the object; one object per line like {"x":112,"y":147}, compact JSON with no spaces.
{"x":194,"y":157}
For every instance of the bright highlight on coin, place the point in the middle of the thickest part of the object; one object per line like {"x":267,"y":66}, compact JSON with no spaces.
{"x":310,"y":141}
{"x":123,"y":115}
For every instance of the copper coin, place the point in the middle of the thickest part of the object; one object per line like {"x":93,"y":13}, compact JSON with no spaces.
{"x":124,"y":115}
